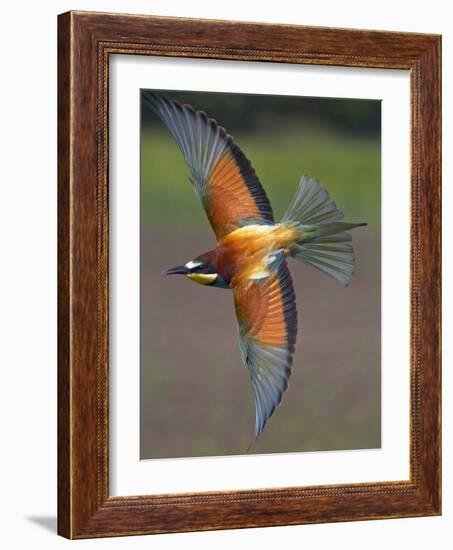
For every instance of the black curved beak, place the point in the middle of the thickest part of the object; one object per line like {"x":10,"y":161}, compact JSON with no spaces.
{"x":178,"y":270}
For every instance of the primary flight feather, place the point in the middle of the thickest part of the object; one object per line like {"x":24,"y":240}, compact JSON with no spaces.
{"x":250,"y":256}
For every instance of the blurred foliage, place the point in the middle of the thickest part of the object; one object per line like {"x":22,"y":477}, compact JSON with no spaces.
{"x":282,"y":144}
{"x":263,"y":113}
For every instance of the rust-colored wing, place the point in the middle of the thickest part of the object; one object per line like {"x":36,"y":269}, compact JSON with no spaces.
{"x":267,"y":316}
{"x":222,"y":176}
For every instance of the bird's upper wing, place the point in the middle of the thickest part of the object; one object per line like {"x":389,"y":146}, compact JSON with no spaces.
{"x":223,"y":177}
{"x":267,"y":316}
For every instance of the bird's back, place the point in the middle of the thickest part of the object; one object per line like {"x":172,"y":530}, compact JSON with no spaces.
{"x":245,"y":252}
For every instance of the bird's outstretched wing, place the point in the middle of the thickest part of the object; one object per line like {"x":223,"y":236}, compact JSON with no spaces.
{"x":267,"y":316}
{"x":223,"y":177}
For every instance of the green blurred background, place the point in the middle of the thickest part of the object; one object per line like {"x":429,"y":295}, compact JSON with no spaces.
{"x":196,"y":398}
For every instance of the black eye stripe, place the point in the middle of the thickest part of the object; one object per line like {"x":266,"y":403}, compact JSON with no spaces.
{"x":203,"y":268}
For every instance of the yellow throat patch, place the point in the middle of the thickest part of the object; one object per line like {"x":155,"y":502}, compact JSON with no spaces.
{"x":202,"y":278}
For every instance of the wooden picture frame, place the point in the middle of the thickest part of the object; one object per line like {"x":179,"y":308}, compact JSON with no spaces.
{"x":85,"y":42}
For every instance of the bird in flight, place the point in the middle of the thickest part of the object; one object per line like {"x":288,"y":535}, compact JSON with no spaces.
{"x":251,"y":254}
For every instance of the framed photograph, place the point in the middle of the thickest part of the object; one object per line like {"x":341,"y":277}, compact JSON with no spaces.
{"x":249,"y":275}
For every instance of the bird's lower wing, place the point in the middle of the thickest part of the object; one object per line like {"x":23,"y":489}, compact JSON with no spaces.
{"x":267,"y":317}
{"x":223,"y":177}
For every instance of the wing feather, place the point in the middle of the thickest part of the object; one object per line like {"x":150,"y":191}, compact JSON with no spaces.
{"x":223,"y":177}
{"x":267,"y":317}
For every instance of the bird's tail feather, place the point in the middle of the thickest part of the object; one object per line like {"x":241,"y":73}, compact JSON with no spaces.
{"x":324,"y":242}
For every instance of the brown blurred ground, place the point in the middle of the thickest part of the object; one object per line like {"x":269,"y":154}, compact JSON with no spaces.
{"x":196,"y":395}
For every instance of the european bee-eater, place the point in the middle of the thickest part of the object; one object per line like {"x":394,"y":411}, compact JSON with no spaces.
{"x":250,"y":256}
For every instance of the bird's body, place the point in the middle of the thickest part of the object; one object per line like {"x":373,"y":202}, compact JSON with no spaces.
{"x":244,"y":253}
{"x":250,"y":256}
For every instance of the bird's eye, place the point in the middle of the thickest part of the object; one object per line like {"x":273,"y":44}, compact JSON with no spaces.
{"x":193,"y":265}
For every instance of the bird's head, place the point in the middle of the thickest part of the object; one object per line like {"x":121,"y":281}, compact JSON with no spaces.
{"x":199,"y":270}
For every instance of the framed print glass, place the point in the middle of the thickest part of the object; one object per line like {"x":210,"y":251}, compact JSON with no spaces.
{"x":296,"y":183}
